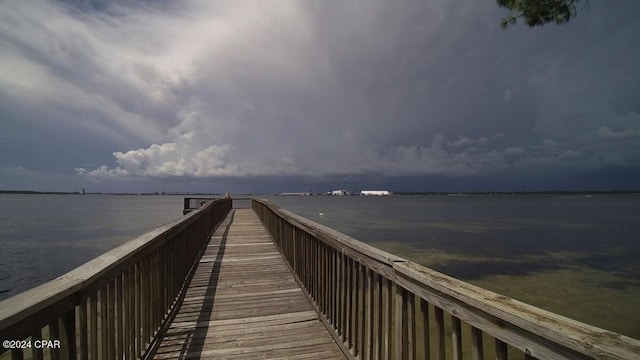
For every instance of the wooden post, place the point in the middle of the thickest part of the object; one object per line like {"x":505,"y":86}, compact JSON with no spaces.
{"x":368,"y":323}
{"x":477,"y":350}
{"x":439,"y":319}
{"x":111,"y":308}
{"x":377,"y":317}
{"x":348,"y":302}
{"x":93,"y":326}
{"x":138,"y":309}
{"x":84,"y":330}
{"x":424,"y":340}
{"x":17,"y":354}
{"x":36,"y":352}
{"x":397,"y":322}
{"x":54,"y":333}
{"x":360,"y":314}
{"x":501,"y":350}
{"x":456,"y":338}
{"x":386,"y":319}
{"x":104,"y":324}
{"x":119,"y":317}
{"x":410,"y":315}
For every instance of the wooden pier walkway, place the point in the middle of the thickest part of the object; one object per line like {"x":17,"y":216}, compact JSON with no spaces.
{"x":243,"y":302}
{"x":178,"y":293}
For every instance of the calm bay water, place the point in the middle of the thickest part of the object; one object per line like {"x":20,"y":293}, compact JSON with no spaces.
{"x":577,"y":256}
{"x":45,"y":236}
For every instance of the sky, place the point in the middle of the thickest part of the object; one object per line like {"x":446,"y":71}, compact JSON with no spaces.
{"x":276,"y":96}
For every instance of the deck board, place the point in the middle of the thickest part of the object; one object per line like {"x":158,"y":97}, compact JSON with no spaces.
{"x":243,"y":302}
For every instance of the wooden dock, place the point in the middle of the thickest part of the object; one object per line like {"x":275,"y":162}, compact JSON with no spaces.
{"x":267,"y":283}
{"x":243,"y":302}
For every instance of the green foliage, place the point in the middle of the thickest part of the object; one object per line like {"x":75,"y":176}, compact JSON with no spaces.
{"x":539,"y":12}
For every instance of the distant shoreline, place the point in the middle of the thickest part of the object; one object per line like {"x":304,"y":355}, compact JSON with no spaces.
{"x":427,"y":193}
{"x":549,"y":192}
{"x":33,"y":192}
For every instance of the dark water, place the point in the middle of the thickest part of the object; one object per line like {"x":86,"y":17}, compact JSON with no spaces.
{"x":45,"y":236}
{"x":576,"y":256}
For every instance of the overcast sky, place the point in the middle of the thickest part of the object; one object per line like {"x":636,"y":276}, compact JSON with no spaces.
{"x":268,"y":96}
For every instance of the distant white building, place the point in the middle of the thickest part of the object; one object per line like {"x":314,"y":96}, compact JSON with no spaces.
{"x":340,"y":192}
{"x":374,"y":193}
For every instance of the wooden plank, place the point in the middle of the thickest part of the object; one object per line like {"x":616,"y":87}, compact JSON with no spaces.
{"x":250,"y":349}
{"x":397,"y":321}
{"x":17,"y":354}
{"x":138,"y":310}
{"x":410,"y":314}
{"x":368,"y":325}
{"x":111,"y":320}
{"x":54,"y":333}
{"x":104,"y":326}
{"x":241,"y":303}
{"x":360,"y":313}
{"x":376,"y":328}
{"x":424,"y":347}
{"x":69,"y":347}
{"x":266,"y":335}
{"x":340,"y":305}
{"x":386,"y":319}
{"x":477,"y":349}
{"x":501,"y":350}
{"x":119,"y":317}
{"x":83,"y":330}
{"x":355,"y":266}
{"x":439,"y":338}
{"x":456,"y":338}
{"x":36,"y":352}
{"x":93,"y":326}
{"x":131,"y":321}
{"x":246,"y":323}
{"x":273,"y":327}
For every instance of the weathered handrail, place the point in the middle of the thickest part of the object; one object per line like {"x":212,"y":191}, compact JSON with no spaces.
{"x":112,"y":306}
{"x":380,"y":306}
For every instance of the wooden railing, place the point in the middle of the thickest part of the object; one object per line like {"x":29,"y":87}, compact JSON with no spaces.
{"x":194,"y":203}
{"x":380,"y":306}
{"x":113,"y":306}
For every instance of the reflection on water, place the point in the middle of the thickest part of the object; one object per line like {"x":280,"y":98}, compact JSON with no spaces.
{"x":578,"y":257}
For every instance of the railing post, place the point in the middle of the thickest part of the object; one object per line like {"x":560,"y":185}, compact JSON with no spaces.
{"x":83,"y":339}
{"x":456,"y":338}
{"x":398,"y":329}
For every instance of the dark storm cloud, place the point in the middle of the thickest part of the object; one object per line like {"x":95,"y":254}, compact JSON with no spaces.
{"x":207,"y":91}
